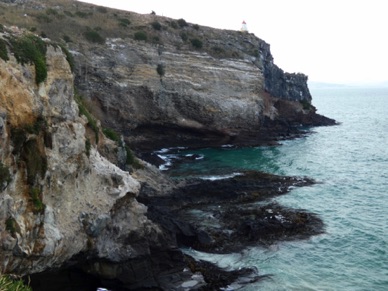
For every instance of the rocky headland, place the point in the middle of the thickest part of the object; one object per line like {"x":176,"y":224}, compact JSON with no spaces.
{"x":78,"y":102}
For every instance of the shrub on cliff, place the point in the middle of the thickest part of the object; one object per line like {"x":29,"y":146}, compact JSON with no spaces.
{"x":67,"y":38}
{"x":43,"y":18}
{"x":156,"y":25}
{"x":305,"y":104}
{"x":174,"y":24}
{"x":102,"y":9}
{"x":3,"y":50}
{"x":94,"y":36}
{"x":31,"y":49}
{"x":160,"y":70}
{"x":184,"y":36}
{"x":195,"y":42}
{"x":51,"y":11}
{"x":182,"y":22}
{"x":69,"y":57}
{"x":36,"y":198}
{"x":132,"y":160}
{"x":82,"y":14}
{"x":84,"y":111}
{"x":124,"y":22}
{"x":111,"y":134}
{"x":141,"y":35}
{"x":5,"y":176}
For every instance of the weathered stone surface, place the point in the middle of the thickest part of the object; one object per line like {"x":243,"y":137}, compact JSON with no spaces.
{"x":48,"y":217}
{"x":200,"y":99}
{"x":67,"y":204}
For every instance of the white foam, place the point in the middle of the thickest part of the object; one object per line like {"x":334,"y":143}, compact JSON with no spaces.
{"x":220,"y":177}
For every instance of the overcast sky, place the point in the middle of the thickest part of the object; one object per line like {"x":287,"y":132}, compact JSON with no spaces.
{"x":340,"y":41}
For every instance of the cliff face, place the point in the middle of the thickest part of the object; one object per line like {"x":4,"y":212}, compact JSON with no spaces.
{"x":57,"y":194}
{"x":62,"y":197}
{"x":170,"y":93}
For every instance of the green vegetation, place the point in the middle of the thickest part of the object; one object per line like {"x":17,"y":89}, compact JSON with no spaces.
{"x":156,"y":25}
{"x":94,"y":37}
{"x":174,"y":24}
{"x":19,"y":134}
{"x":3,"y":50}
{"x":160,"y":70}
{"x":111,"y":134}
{"x":305,"y":104}
{"x":69,"y":57}
{"x":5,"y":176}
{"x":11,"y":226}
{"x":35,"y":160}
{"x":182,"y":23}
{"x":66,"y":38}
{"x":37,"y":200}
{"x":184,"y":36}
{"x":9,"y":284}
{"x":140,"y":35}
{"x":196,"y":26}
{"x":84,"y":111}
{"x":195,"y":42}
{"x":31,"y":49}
{"x":124,"y":22}
{"x":102,"y":9}
{"x":51,"y":11}
{"x":43,"y":18}
{"x":132,"y":160}
{"x":68,"y":13}
{"x":82,"y":14}
{"x":1,"y":28}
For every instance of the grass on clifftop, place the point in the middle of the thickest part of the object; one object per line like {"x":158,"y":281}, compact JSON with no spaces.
{"x":73,"y":23}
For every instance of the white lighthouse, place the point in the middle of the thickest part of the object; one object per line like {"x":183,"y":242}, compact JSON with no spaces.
{"x":244,"y":27}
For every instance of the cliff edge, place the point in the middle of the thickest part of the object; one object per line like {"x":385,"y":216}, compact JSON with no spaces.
{"x":98,"y":81}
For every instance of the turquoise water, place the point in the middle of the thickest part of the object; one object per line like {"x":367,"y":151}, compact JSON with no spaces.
{"x":351,"y":162}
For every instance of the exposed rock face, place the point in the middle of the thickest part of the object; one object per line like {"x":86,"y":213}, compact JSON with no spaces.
{"x":160,"y":95}
{"x":59,"y":199}
{"x":62,"y":200}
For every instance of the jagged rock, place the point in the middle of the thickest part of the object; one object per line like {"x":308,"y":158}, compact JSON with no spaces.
{"x":200,"y":100}
{"x":70,"y":202}
{"x":53,"y":211}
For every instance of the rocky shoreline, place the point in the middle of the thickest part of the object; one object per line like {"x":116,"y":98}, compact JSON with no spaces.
{"x":78,"y":209}
{"x":222,"y":216}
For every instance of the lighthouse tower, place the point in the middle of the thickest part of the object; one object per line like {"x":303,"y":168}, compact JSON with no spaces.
{"x":244,"y":27}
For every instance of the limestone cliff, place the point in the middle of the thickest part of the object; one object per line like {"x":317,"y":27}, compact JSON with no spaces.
{"x":57,"y":193}
{"x":165,"y":82}
{"x":170,"y":93}
{"x":65,"y":193}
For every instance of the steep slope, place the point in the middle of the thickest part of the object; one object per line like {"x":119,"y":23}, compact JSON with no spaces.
{"x":66,"y":196}
{"x":165,"y":82}
{"x":57,"y":190}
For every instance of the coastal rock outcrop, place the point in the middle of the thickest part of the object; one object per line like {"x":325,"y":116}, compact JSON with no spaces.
{"x":57,"y":190}
{"x":72,"y":198}
{"x":170,"y":93}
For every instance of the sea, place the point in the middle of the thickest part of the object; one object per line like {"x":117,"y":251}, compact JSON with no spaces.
{"x":350,"y":163}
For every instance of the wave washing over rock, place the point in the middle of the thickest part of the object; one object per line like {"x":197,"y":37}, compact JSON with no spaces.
{"x":77,"y":207}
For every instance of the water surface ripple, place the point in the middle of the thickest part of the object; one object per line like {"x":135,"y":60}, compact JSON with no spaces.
{"x":351,"y":162}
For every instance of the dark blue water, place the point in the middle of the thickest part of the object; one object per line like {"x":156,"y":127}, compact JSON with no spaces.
{"x":351,"y":161}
